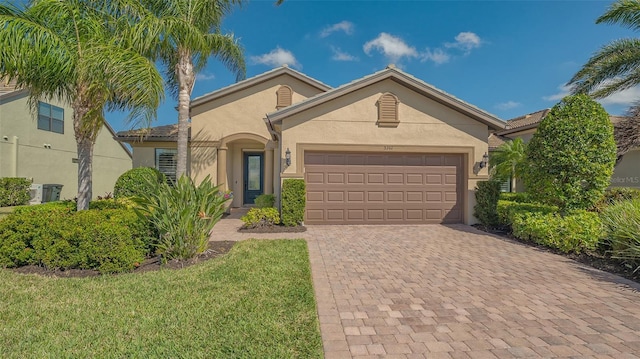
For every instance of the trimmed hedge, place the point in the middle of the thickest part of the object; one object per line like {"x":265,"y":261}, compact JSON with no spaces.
{"x":137,"y":181}
{"x":508,"y":210}
{"x":56,"y":236}
{"x":574,"y":232}
{"x":487,"y":196}
{"x":293,"y":201}
{"x":261,"y":217}
{"x":520,"y":197}
{"x":14,"y":191}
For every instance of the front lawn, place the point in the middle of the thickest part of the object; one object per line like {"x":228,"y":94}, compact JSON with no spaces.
{"x":255,"y":302}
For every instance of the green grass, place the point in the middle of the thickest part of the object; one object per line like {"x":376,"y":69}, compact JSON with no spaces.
{"x":255,"y":302}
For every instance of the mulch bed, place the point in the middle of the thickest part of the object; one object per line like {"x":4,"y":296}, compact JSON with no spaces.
{"x":593,"y":259}
{"x":216,"y":249}
{"x":273,"y":229}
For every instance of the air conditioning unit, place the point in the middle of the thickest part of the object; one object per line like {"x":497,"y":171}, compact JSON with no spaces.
{"x":36,"y":191}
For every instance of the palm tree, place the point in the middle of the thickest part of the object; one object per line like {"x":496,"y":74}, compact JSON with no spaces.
{"x":190,"y":33}
{"x":82,"y":52}
{"x":616,"y":66}
{"x":507,"y":161}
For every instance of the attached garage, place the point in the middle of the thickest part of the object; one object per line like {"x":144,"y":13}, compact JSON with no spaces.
{"x":383,"y":188}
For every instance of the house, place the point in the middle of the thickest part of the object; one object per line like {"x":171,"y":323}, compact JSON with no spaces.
{"x":384,"y":149}
{"x":41,"y":146}
{"x":627,"y":169}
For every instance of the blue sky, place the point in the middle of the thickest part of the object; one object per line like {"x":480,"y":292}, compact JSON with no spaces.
{"x":509,"y":58}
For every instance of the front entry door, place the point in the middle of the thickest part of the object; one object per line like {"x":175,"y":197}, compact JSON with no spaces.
{"x":253,"y":176}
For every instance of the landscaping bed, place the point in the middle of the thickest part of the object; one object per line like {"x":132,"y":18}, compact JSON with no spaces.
{"x":216,"y":249}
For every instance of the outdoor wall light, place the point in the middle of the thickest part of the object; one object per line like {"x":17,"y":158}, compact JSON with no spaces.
{"x":287,"y":157}
{"x":485,"y":161}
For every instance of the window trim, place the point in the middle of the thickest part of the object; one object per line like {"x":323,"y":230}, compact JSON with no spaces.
{"x":171,"y":177}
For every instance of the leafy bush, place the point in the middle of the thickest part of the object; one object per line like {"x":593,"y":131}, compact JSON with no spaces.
{"x":574,"y":232}
{"x":14,"y":191}
{"x":183,"y":215}
{"x":261,"y":217}
{"x":56,"y":236}
{"x":622,"y":228}
{"x":520,"y":197}
{"x":108,"y":204}
{"x":617,"y":194}
{"x":293,"y":201}
{"x":137,"y":181}
{"x":265,"y":201}
{"x":508,"y":211}
{"x":572,"y":154}
{"x":487,"y":196}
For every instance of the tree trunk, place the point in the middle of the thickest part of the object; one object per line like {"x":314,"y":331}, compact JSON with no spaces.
{"x":85,"y":173}
{"x":186,"y":79}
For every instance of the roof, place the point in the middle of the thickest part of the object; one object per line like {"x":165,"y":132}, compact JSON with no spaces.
{"x":238,"y":86}
{"x":496,"y":141}
{"x":161,"y":133}
{"x":527,"y":121}
{"x":7,"y":86}
{"x":391,"y":72}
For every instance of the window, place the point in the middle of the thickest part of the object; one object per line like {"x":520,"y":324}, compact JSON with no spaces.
{"x":388,"y":111}
{"x":285,"y":97}
{"x":50,"y":118}
{"x":166,"y":159}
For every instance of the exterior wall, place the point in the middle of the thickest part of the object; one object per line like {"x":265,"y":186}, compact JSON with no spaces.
{"x":349,"y":124}
{"x":54,"y":164}
{"x":238,"y":113}
{"x":627,"y":172}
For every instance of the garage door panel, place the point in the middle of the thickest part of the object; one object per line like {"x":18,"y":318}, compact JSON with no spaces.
{"x":383,"y":188}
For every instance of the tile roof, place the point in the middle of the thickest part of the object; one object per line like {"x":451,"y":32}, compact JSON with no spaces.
{"x":159,"y":133}
{"x":7,"y":86}
{"x":496,"y":141}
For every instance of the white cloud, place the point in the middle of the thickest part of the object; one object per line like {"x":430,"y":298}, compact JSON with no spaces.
{"x":391,"y":46}
{"x":465,"y":41}
{"x":563,"y":90}
{"x":344,"y":26}
{"x":438,"y":56}
{"x":203,"y":76}
{"x":277,"y":57}
{"x":508,"y":105}
{"x":626,"y":97}
{"x":339,"y":55}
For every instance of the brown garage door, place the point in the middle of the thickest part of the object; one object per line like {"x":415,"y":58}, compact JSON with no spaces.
{"x":380,"y":188}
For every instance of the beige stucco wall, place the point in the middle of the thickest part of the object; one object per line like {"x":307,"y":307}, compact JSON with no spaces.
{"x":349,"y":123}
{"x":54,"y":165}
{"x":236,"y":121}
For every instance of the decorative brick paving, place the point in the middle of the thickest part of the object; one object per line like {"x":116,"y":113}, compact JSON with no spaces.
{"x":454,"y":292}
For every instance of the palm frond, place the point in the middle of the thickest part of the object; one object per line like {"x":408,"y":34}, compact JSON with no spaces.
{"x":623,"y":12}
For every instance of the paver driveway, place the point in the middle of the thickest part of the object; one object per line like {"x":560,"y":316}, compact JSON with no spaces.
{"x":453,"y":292}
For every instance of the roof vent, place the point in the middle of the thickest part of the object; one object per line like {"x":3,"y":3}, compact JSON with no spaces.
{"x":391,"y":66}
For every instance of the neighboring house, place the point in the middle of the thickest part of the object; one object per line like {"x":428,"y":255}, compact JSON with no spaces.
{"x":41,"y":146}
{"x":386,"y":148}
{"x":627,"y":170}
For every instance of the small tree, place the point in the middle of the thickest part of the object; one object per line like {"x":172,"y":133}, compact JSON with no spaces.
{"x":571,"y":156}
{"x":507,"y":162}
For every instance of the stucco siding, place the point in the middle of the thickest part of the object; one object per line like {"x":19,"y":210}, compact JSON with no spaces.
{"x":48,"y":157}
{"x":349,"y":123}
{"x":627,"y":172}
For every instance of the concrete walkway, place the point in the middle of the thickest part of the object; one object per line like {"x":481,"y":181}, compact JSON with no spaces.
{"x":435,"y":291}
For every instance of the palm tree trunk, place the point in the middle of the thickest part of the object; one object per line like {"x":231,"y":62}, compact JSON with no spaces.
{"x":186,"y":78}
{"x":85,"y":172}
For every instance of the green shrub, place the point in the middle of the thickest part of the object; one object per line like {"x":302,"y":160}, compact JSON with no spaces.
{"x":261,"y":217}
{"x":487,"y":195}
{"x":183,"y":215}
{"x":574,"y":232}
{"x":617,"y":194}
{"x":14,"y":191}
{"x":137,"y":181}
{"x":508,"y":211}
{"x":108,"y":204}
{"x":571,"y":156}
{"x":265,"y":201}
{"x":622,"y":230}
{"x":520,"y":197}
{"x":293,"y":201}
